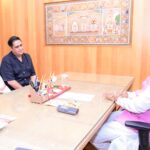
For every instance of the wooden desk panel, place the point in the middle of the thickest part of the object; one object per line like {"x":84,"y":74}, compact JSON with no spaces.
{"x":41,"y":127}
{"x":123,"y":81}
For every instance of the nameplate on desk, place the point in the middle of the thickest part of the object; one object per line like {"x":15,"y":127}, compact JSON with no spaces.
{"x":67,"y":109}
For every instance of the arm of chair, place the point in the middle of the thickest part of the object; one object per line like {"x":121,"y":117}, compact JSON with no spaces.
{"x":138,"y":125}
{"x":143,"y":133}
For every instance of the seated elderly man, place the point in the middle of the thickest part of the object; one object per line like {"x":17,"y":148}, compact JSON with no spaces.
{"x":114,"y":135}
{"x":3,"y":87}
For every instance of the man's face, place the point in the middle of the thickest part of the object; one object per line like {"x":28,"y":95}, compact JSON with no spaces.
{"x":17,"y":48}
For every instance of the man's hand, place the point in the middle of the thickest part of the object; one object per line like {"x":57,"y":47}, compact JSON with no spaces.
{"x":124,"y":94}
{"x":114,"y":96}
{"x":111,"y":96}
{"x":14,"y":84}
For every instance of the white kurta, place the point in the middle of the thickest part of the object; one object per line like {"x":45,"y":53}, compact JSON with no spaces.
{"x":3,"y":87}
{"x":115,"y":136}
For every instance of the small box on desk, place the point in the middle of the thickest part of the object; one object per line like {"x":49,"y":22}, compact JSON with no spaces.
{"x":68,"y":109}
{"x":48,"y":94}
{"x":36,"y":97}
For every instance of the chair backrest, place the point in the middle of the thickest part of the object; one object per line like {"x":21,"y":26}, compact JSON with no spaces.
{"x":143,"y":133}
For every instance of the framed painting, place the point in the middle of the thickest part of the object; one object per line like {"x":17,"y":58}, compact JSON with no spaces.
{"x":88,"y":22}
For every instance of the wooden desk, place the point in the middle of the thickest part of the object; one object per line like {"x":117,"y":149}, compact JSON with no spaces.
{"x":41,"y":127}
{"x":123,"y":81}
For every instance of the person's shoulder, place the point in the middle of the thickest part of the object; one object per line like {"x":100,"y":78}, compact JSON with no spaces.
{"x":6,"y":57}
{"x":26,"y":54}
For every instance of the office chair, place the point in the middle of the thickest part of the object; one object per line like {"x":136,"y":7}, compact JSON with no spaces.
{"x":143,"y":133}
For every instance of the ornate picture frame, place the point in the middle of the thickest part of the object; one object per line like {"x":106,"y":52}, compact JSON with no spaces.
{"x":88,"y":22}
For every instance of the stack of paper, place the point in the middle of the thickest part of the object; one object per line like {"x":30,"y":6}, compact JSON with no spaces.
{"x":5,"y":119}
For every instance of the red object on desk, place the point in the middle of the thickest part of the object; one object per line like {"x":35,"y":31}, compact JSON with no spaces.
{"x":56,"y":94}
{"x":39,"y":98}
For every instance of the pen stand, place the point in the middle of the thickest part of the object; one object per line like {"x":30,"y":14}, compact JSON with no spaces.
{"x":40,"y":97}
{"x":35,"y":97}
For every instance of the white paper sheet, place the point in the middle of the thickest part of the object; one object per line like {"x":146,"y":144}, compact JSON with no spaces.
{"x":77,"y":96}
{"x":3,"y":124}
{"x":7,"y":118}
{"x":54,"y":102}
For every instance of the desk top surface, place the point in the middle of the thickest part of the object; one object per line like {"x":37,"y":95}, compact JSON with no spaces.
{"x":117,"y":80}
{"x":41,"y":127}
